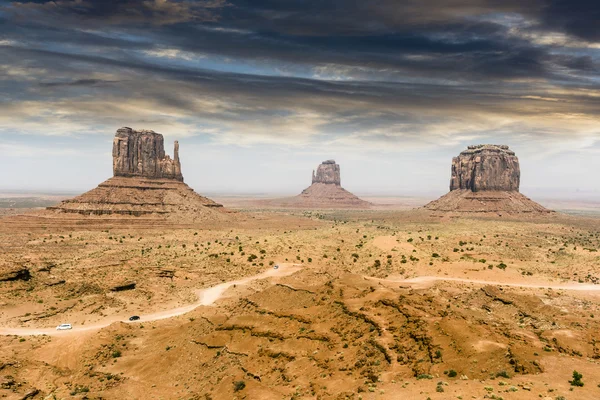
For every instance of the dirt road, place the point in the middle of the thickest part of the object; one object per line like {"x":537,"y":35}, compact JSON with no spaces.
{"x":209,"y":296}
{"x":571,"y":286}
{"x":206,"y":297}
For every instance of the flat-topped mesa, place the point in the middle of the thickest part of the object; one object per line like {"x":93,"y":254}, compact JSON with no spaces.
{"x":485,"y":179}
{"x":486,"y":167}
{"x":328,"y":172}
{"x":142,"y":153}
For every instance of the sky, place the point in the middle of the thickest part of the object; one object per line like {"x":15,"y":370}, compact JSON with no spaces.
{"x":259,"y":92}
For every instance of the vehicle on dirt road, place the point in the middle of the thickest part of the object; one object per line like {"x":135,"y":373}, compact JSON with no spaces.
{"x":276,"y":266}
{"x":64,"y":327}
{"x":134,"y":318}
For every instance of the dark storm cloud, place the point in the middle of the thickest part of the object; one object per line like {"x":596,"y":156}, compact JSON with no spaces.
{"x":376,"y":67}
{"x":334,"y":17}
{"x":576,"y":17}
{"x":351,"y":105}
{"x":78,"y":82}
{"x":455,"y":40}
{"x":156,"y":12}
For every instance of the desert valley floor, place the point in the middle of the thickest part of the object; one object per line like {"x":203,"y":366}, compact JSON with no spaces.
{"x":378,"y":304}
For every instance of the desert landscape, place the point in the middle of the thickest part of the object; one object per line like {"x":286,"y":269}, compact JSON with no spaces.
{"x":323,"y":302}
{"x":299,"y":199}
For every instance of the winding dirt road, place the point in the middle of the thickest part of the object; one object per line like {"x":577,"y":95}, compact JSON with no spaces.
{"x":431,"y":279}
{"x":206,"y":297}
{"x":209,"y":296}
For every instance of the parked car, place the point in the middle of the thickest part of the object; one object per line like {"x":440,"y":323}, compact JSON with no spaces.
{"x":276,"y":266}
{"x":134,"y":318}
{"x":64,"y":327}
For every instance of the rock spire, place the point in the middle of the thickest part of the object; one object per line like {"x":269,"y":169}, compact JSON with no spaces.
{"x":142,"y":153}
{"x":147,"y":183}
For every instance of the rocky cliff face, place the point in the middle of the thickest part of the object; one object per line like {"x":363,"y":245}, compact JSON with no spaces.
{"x":327,"y":172}
{"x":485,"y":179}
{"x":486,"y":168}
{"x":142,"y":153}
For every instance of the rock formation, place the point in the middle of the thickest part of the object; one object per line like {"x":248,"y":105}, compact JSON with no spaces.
{"x":146,"y":182}
{"x":325,"y":192}
{"x":142,"y":153}
{"x":486,"y":167}
{"x":327,"y":172}
{"x":486,"y":179}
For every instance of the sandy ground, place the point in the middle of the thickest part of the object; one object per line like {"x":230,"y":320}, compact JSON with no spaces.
{"x":205,"y":297}
{"x":208,"y":296}
{"x":386,"y":304}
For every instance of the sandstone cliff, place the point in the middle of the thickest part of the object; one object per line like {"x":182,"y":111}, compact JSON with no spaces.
{"x":142,"y":153}
{"x":486,"y":167}
{"x":328,"y":172}
{"x":146,"y":183}
{"x":486,"y":179}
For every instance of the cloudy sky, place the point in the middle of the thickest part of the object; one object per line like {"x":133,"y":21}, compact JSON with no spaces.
{"x":258,"y":92}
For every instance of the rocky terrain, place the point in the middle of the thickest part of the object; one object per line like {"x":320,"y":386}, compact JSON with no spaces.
{"x":486,"y":179}
{"x":355,"y":321}
{"x":146,"y":183}
{"x":325,"y":192}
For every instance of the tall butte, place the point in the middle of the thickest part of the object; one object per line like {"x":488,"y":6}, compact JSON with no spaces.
{"x":145,"y":182}
{"x":326,"y":191}
{"x":485,"y":179}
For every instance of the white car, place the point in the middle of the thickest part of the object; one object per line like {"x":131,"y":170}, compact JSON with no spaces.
{"x":276,"y":266}
{"x":64,"y":327}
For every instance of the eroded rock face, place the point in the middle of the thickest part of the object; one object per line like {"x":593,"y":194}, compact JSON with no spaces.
{"x":327,"y":172}
{"x":142,"y":153}
{"x":486,"y":167}
{"x":16,"y":273}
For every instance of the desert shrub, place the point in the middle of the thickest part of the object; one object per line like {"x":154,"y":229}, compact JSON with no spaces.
{"x":576,"y":379}
{"x":452,"y":373}
{"x":424,"y":376}
{"x":116,"y":354}
{"x":79,"y":389}
{"x":239,"y":385}
{"x":503,"y":374}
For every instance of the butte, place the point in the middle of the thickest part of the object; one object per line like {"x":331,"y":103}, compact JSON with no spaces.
{"x":486,"y":179}
{"x":326,"y":191}
{"x":146,"y":183}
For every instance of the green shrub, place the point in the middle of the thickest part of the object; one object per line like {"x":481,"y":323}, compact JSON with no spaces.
{"x":503,"y":374}
{"x":576,"y":379}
